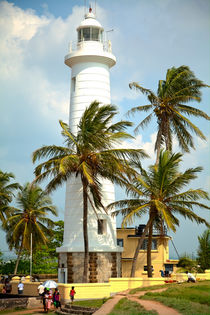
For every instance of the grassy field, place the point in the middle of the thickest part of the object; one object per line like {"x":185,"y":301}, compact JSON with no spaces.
{"x":126,"y":307}
{"x":152,"y":287}
{"x":91,"y":303}
{"x":187,"y":298}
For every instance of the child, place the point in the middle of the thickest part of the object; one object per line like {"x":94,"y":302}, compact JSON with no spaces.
{"x":72,"y":293}
{"x":56,"y":298}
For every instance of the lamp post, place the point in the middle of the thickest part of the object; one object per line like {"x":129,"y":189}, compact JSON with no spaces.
{"x":31,"y":260}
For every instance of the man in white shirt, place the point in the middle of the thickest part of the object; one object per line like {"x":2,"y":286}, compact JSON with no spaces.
{"x":40,"y":289}
{"x":191,"y":278}
{"x":20,"y":288}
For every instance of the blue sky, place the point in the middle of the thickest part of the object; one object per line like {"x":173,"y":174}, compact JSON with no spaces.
{"x":148,"y":38}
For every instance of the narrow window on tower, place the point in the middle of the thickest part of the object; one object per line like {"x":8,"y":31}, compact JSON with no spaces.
{"x":73,"y":84}
{"x":101,"y":226}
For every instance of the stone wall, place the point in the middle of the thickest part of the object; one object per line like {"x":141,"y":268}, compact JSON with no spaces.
{"x":101,"y":267}
{"x":9,"y":301}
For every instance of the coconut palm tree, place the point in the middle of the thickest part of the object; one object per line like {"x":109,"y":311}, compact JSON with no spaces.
{"x":91,"y":155}
{"x":159,"y":192}
{"x":29,"y":218}
{"x":170,"y":109}
{"x":204,"y":250}
{"x":6,"y":193}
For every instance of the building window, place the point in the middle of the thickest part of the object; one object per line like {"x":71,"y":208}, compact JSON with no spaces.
{"x":95,"y":34}
{"x":154,"y":245}
{"x":145,"y":268}
{"x":73,"y":84}
{"x":86,"y":33}
{"x":120,"y":242}
{"x":101,"y":226}
{"x":169,"y":267}
{"x":79,"y":35}
{"x":90,"y":33}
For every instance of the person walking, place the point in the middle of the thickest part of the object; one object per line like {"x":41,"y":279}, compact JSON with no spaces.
{"x":56,"y":299}
{"x":44,"y":299}
{"x":20,"y":287}
{"x":40,"y":289}
{"x":48,"y":300}
{"x":72,"y":294}
{"x":8,"y":286}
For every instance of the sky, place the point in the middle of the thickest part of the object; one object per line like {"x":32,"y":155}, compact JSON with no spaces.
{"x":148,"y":38}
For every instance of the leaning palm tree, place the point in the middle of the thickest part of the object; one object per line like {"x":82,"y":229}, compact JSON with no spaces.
{"x":29,"y":218}
{"x":169,"y":107}
{"x":6,"y":193}
{"x":91,"y":155}
{"x":159,"y":192}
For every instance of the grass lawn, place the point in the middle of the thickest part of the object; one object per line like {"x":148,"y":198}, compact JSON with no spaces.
{"x":152,"y":287}
{"x":126,"y":307}
{"x":187,"y":298}
{"x":91,"y":303}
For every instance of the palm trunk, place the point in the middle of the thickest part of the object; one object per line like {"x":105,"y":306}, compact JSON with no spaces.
{"x":18,"y":258}
{"x":167,"y":136}
{"x":140,"y":242}
{"x":149,"y":248}
{"x":157,"y":156}
{"x":85,"y":231}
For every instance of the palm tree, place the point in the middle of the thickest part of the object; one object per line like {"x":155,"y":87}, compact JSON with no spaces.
{"x":6,"y":193}
{"x":30,"y":218}
{"x":169,"y":106}
{"x":159,"y":192}
{"x":89,"y":155}
{"x":204,"y":250}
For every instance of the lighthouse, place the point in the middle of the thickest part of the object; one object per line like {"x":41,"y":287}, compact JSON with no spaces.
{"x":90,"y":62}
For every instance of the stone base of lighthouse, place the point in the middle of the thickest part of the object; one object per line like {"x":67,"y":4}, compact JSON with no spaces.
{"x":101,"y":267}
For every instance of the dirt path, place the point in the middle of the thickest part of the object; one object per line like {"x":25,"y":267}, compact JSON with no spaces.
{"x":147,"y":304}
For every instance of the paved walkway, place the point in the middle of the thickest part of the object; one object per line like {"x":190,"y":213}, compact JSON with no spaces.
{"x":147,"y":304}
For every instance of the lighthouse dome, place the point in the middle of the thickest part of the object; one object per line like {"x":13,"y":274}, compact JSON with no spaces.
{"x":90,"y":29}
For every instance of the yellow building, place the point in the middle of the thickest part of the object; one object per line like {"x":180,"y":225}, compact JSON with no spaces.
{"x":128,"y":239}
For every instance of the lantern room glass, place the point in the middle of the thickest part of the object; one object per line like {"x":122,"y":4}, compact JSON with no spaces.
{"x":90,"y":34}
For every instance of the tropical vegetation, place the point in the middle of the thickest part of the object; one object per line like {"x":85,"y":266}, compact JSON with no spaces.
{"x":90,"y":155}
{"x":44,"y":258}
{"x":204,"y":250}
{"x":29,"y":220}
{"x":170,"y":109}
{"x":7,"y":190}
{"x":159,"y":192}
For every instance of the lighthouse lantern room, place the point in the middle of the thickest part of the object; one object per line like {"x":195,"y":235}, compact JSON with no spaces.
{"x":90,"y":62}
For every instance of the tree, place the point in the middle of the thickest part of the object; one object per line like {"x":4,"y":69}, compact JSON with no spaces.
{"x":204,"y":250}
{"x":45,"y":259}
{"x":159,"y":192}
{"x":187,"y":264}
{"x":6,"y":193}
{"x":29,"y":219}
{"x":169,"y":107}
{"x":89,"y":155}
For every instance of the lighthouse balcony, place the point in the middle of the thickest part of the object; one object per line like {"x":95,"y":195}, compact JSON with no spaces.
{"x":105,"y":46}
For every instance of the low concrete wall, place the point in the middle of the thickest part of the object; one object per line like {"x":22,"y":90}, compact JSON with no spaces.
{"x":102,"y":290}
{"x":121,"y":284}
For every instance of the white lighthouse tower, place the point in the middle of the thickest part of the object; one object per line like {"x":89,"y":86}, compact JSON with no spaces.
{"x":90,"y":62}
